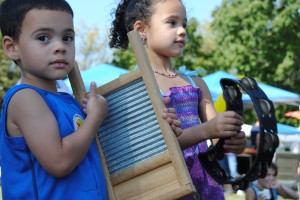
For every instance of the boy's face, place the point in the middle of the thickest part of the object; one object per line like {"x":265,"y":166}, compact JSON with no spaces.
{"x":46,"y":46}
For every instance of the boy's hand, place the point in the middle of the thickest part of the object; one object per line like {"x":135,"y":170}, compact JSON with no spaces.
{"x":170,"y":115}
{"x":95,"y":104}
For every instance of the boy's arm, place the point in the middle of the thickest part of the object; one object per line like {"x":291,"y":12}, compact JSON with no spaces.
{"x":29,"y":116}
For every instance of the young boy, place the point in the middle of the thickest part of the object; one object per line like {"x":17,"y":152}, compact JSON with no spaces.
{"x":47,"y":151}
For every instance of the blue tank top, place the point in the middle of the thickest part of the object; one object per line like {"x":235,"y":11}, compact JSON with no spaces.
{"x":257,"y":191}
{"x":22,"y":175}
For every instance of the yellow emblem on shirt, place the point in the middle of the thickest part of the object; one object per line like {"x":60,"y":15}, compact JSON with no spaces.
{"x":77,"y":121}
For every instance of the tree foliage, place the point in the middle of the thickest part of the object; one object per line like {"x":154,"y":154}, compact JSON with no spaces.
{"x":124,"y":58}
{"x":260,"y":39}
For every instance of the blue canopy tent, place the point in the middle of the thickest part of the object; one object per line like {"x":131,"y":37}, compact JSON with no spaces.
{"x":104,"y":73}
{"x":282,"y":129}
{"x":101,"y":74}
{"x":277,"y":95}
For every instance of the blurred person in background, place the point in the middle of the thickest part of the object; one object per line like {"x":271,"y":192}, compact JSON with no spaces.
{"x":268,"y":188}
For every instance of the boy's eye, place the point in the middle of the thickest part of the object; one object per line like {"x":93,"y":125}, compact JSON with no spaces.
{"x":43,"y":38}
{"x":68,"y":38}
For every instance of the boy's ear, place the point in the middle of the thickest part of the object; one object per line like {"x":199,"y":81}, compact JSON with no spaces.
{"x":9,"y":47}
{"x":140,"y":27}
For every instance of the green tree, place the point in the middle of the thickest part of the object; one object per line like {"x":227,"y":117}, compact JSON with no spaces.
{"x":260,"y":39}
{"x":124,"y":59}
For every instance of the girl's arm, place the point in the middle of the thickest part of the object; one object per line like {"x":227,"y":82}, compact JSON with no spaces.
{"x":213,"y":125}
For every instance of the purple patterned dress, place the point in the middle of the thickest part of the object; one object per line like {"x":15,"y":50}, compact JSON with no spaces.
{"x":185,"y":100}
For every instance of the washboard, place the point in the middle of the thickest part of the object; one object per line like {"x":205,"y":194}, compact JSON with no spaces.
{"x":140,"y":154}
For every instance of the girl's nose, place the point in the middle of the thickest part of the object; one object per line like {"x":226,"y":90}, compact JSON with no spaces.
{"x":181,"y":31}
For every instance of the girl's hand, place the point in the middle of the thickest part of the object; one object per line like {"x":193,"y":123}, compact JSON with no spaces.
{"x":225,"y":124}
{"x":172,"y":118}
{"x":235,"y":144}
{"x":170,"y":115}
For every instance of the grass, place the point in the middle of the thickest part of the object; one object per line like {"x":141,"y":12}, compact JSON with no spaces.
{"x":241,"y":196}
{"x":233,"y":196}
{"x":227,"y":196}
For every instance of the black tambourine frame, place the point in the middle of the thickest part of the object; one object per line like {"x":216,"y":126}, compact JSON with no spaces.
{"x":269,"y":141}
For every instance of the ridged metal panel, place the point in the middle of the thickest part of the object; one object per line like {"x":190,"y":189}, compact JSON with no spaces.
{"x":131,"y":133}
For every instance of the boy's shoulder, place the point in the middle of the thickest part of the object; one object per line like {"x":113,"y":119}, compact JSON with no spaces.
{"x":16,"y":88}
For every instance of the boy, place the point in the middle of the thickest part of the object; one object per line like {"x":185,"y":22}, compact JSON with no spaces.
{"x":47,"y":151}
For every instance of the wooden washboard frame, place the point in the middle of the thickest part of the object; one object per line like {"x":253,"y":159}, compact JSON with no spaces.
{"x":140,"y":154}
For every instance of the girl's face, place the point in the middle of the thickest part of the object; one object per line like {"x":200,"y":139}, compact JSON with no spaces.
{"x":269,"y":180}
{"x":46,"y":47}
{"x":166,"y":31}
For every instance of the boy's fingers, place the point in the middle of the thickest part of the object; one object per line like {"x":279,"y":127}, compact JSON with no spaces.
{"x":93,"y":88}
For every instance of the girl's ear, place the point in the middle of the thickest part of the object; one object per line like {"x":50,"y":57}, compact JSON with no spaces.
{"x":140,"y":27}
{"x":9,"y":47}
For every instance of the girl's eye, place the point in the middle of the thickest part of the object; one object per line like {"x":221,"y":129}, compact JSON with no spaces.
{"x":43,"y":38}
{"x":68,"y":38}
{"x":172,"y":22}
{"x":184,"y":25}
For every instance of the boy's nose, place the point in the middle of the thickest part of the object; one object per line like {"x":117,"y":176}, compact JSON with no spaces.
{"x":59,"y":47}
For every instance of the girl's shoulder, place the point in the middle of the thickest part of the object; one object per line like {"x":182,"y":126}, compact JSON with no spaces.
{"x":195,"y":80}
{"x":193,"y":76}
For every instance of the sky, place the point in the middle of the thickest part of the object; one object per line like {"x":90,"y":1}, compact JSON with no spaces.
{"x":94,"y":13}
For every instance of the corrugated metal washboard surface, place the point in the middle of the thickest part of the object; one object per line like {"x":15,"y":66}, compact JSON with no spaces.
{"x":131,"y":133}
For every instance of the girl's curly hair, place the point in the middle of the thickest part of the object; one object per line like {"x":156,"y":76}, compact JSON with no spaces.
{"x":126,"y":14}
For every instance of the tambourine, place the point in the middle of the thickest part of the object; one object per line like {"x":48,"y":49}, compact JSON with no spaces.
{"x":269,"y":141}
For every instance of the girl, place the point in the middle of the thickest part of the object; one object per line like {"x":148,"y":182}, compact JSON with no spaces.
{"x":162,"y":26}
{"x":268,"y":188}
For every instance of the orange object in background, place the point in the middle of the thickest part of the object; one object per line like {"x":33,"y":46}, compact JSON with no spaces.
{"x":293,"y":114}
